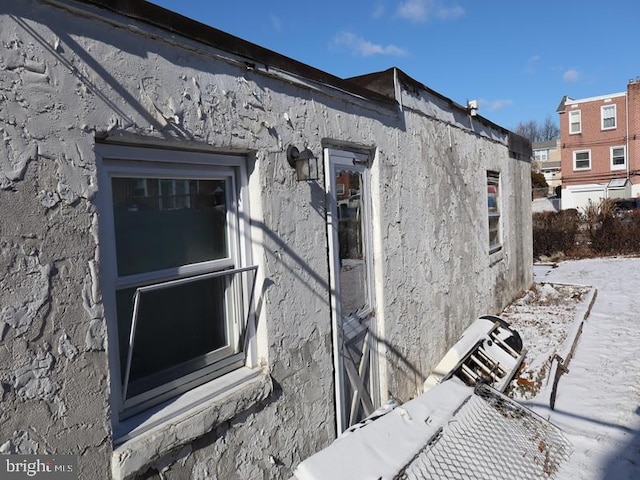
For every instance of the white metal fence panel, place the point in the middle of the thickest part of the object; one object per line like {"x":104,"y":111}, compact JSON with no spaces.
{"x":490,"y":437}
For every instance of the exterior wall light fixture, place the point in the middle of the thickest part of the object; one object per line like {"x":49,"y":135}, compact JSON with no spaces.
{"x":305,"y":163}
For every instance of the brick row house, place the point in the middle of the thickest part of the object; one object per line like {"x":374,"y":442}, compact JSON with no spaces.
{"x":600,"y":153}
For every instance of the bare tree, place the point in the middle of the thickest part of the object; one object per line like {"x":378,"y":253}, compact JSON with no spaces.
{"x":549,"y":130}
{"x":537,"y":132}
{"x":528,"y":130}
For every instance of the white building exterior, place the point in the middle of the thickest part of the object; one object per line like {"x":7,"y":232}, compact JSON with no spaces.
{"x":144,"y":162}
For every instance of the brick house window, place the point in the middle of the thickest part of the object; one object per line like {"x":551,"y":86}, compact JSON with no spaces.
{"x":582,"y":160}
{"x":608,"y":117}
{"x":618,"y":158}
{"x":575,"y":121}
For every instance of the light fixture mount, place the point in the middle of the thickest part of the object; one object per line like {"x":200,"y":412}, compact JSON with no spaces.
{"x":304,"y":162}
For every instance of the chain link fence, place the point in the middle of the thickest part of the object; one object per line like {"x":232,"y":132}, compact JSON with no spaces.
{"x":490,"y":437}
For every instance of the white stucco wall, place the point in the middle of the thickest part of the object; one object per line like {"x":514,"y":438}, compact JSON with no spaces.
{"x":67,"y":80}
{"x":441,"y":275}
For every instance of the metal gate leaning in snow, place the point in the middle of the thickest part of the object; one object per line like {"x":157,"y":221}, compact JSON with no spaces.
{"x":492,"y":437}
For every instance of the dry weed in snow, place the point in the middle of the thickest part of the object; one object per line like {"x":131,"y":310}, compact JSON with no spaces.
{"x":543,"y":317}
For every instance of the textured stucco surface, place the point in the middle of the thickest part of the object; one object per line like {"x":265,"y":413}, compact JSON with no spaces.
{"x":67,"y":79}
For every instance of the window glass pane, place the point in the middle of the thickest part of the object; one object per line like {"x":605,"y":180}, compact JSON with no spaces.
{"x":492,"y":198}
{"x":353,"y":268}
{"x":574,"y":120}
{"x":494,"y":231}
{"x":609,"y":116}
{"x":492,"y":193}
{"x":541,"y":154}
{"x":163,"y":223}
{"x":618,"y":156}
{"x":582,"y":160}
{"x":176,"y":327}
{"x":493,"y":203}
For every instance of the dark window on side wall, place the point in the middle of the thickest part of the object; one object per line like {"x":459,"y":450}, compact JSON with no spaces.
{"x":493,"y":199}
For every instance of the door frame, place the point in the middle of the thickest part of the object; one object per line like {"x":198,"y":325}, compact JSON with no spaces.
{"x":359,"y":162}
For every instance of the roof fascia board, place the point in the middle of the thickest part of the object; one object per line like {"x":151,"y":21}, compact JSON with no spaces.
{"x":578,"y":101}
{"x":167,"y":20}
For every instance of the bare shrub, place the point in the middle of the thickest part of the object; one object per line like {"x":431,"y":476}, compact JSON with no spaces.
{"x":599,"y":225}
{"x":555,"y":232}
{"x":632,"y":232}
{"x":612,"y":231}
{"x":601,"y":229}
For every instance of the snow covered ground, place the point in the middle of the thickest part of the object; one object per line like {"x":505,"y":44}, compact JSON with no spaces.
{"x":598,"y":400}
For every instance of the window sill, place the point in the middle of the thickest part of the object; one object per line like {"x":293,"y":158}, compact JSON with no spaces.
{"x":496,"y":256}
{"x":144,"y":438}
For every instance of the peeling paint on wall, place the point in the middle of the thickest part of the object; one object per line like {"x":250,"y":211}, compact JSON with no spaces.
{"x":20,"y":444}
{"x":32,"y":379}
{"x":68,"y":81}
{"x":66,"y":348}
{"x":28,"y":285}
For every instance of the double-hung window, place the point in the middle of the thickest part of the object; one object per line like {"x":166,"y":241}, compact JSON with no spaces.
{"x":493,"y":197}
{"x":608,"y":117}
{"x":618,"y":158}
{"x":179,"y":284}
{"x":541,"y":155}
{"x":582,"y":159}
{"x":575,"y":121}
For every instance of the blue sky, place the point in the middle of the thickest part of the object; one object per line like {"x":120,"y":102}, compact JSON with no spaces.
{"x":516,"y":58}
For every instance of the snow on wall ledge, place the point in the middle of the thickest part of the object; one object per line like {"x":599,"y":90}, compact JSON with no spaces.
{"x":68,"y":80}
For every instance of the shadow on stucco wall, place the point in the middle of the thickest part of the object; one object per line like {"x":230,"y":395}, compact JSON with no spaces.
{"x":404,"y":372}
{"x":219,"y":450}
{"x":58,"y":52}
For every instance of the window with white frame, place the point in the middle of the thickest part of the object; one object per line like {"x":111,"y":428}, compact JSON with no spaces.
{"x":178,"y":286}
{"x":608,"y":116}
{"x":618,"y":158}
{"x":493,"y":198}
{"x":582,"y":159}
{"x":541,"y":155}
{"x":575,"y":121}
